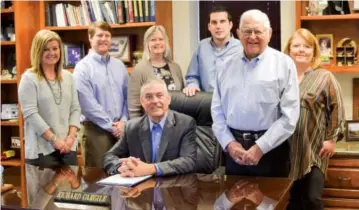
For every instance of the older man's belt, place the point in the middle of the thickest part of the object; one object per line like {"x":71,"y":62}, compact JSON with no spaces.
{"x":247,"y":135}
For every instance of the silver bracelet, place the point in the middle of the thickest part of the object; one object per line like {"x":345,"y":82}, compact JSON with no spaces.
{"x":53,"y":139}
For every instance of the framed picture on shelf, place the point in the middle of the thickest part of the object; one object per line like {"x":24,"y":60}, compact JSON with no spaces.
{"x":355,"y":98}
{"x":352,"y":130}
{"x":356,"y":5}
{"x":15,"y":142}
{"x":120,"y":48}
{"x":9,"y":111}
{"x":73,"y":53}
{"x":325,"y":45}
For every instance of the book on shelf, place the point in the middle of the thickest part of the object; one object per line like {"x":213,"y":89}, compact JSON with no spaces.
{"x":113,"y":12}
{"x":130,"y":11}
{"x":147,"y":10}
{"x":120,"y":12}
{"x":140,"y":10}
{"x":135,"y":10}
{"x":152,"y":10}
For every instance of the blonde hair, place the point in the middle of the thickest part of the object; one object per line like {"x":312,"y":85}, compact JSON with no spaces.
{"x":41,"y":39}
{"x":153,"y":29}
{"x":99,"y":24}
{"x":311,"y":41}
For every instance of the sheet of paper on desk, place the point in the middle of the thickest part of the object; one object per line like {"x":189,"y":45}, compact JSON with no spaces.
{"x":123,"y":181}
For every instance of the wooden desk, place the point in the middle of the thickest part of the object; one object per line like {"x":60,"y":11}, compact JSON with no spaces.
{"x":192,"y":191}
{"x":341,"y":189}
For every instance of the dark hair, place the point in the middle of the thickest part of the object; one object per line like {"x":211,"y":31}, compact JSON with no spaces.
{"x":219,"y":8}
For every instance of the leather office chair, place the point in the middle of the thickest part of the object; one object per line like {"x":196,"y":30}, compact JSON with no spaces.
{"x":209,"y":151}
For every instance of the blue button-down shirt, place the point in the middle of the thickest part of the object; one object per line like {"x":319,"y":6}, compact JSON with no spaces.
{"x":156,"y":134}
{"x":261,"y":94}
{"x":102,"y":89}
{"x":206,"y":61}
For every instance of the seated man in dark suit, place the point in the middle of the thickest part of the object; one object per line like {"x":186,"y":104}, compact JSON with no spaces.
{"x":162,"y":142}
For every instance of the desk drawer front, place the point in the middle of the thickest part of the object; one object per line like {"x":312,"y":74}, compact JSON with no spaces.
{"x":341,"y":203}
{"x":344,"y":162}
{"x":343,"y":178}
{"x":340,"y":193}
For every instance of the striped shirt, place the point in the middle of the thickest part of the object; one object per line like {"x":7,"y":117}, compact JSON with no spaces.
{"x":321,"y":118}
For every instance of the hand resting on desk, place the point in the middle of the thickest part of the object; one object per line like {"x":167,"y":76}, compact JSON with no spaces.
{"x":133,"y":167}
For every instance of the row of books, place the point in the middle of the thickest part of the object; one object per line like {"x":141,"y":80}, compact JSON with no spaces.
{"x":113,"y":12}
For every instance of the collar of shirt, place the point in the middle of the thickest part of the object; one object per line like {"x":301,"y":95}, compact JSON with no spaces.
{"x":162,"y":122}
{"x":98,"y":57}
{"x":308,"y":70}
{"x":256,"y":59}
{"x":215,"y":48}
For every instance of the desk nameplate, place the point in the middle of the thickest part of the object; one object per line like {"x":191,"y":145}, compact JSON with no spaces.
{"x":83,"y":198}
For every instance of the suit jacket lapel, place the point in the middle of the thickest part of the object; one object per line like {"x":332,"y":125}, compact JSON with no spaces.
{"x":166,"y":135}
{"x":144,"y":136}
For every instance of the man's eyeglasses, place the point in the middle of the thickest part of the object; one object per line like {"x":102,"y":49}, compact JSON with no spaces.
{"x":249,"y":32}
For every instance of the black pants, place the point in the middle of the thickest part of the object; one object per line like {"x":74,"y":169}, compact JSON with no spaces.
{"x":306,"y":193}
{"x":55,"y":158}
{"x":275,"y":163}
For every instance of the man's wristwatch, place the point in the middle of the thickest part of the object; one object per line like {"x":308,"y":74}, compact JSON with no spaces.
{"x":53,"y":139}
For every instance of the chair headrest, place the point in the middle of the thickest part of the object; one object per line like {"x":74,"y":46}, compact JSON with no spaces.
{"x":198,"y":106}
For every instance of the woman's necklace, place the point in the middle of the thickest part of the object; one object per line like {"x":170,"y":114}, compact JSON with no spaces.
{"x":158,"y":62}
{"x":56,"y":91}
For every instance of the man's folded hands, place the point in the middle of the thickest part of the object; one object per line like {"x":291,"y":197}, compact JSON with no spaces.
{"x":133,"y":167}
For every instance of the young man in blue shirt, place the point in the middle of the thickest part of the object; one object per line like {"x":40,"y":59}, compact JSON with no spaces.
{"x":101,"y":82}
{"x":212,"y":53}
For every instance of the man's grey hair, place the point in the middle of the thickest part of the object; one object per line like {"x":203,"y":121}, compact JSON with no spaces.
{"x":153,"y":82}
{"x":256,"y":15}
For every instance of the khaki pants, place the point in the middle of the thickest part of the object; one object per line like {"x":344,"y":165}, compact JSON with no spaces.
{"x":95,"y":143}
